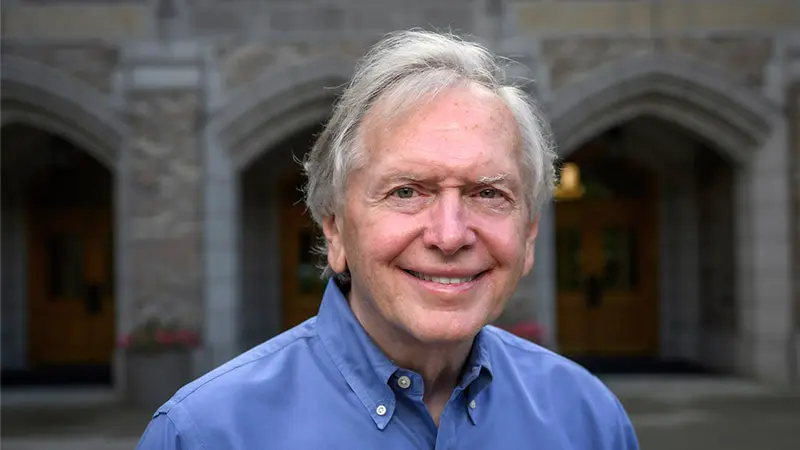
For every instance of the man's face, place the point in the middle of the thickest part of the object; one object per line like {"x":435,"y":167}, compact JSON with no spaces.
{"x":435,"y":230}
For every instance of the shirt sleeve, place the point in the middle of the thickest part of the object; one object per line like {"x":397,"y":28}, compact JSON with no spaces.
{"x":624,"y":435}
{"x":161,"y":434}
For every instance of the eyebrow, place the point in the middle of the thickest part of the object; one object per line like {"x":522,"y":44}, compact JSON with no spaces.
{"x":502,"y":179}
{"x":405,"y":177}
{"x":401,"y":178}
{"x":493,"y":179}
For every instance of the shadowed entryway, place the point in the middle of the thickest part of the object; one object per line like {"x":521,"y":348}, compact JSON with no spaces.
{"x":278,"y":293}
{"x":58,"y":277}
{"x":645,"y":234}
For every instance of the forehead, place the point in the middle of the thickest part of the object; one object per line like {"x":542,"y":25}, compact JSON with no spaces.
{"x":466,"y":129}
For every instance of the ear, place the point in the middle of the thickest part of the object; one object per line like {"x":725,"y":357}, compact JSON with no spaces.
{"x":532,"y":230}
{"x":332,"y":228}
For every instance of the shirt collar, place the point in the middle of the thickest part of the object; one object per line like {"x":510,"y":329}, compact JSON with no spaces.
{"x":367,"y":369}
{"x":477,"y":374}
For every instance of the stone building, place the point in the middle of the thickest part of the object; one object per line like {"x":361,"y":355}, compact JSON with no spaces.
{"x":147,"y":170}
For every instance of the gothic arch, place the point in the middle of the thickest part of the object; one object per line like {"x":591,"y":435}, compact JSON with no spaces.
{"x":745,"y":127}
{"x":282,"y":101}
{"x":43,"y":97}
{"x":679,"y":89}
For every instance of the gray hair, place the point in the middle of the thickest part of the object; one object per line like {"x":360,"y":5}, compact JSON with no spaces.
{"x":403,"y":70}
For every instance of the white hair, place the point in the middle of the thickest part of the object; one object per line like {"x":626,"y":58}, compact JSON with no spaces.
{"x":403,"y":70}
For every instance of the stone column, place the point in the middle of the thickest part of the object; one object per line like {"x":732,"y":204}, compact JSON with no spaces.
{"x":794,"y":155}
{"x":161,"y":184}
{"x":767,"y":341}
{"x":770,"y":318}
{"x":545,"y":275}
{"x":793,"y":100}
{"x":535,"y":297}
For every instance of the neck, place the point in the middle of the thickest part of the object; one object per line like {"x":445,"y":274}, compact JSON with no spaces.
{"x":440,"y":364}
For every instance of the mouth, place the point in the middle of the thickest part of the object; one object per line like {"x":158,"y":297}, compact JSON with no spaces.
{"x":444,"y":280}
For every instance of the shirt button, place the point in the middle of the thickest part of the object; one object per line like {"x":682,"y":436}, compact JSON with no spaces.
{"x":472,"y":404}
{"x":381,"y":410}
{"x":404,"y":382}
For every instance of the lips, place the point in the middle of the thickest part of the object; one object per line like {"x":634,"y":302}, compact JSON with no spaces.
{"x":443,"y":280}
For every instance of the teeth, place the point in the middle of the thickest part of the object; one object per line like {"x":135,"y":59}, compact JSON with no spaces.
{"x":442,"y":280}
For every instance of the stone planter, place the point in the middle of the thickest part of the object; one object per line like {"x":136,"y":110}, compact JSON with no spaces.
{"x":152,"y":378}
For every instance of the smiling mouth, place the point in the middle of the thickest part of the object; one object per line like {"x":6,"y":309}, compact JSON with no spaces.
{"x":444,"y":280}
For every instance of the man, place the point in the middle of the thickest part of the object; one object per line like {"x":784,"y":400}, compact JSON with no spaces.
{"x":427,"y":182}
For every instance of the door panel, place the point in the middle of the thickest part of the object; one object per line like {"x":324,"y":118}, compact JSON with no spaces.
{"x":302,"y":286}
{"x":70,"y":302}
{"x":572,"y":314}
{"x":100,"y":288}
{"x":607,"y":303}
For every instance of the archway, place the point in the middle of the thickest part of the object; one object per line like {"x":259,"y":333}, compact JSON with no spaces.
{"x":252,"y":140}
{"x":709,"y":146}
{"x":59,"y":294}
{"x":60,"y":148}
{"x":646,"y":251}
{"x":680,"y":90}
{"x":36,"y":94}
{"x":280,"y":102}
{"x":278,"y":237}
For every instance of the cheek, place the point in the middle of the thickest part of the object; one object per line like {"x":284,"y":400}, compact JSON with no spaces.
{"x":383,"y":237}
{"x":503,"y":238}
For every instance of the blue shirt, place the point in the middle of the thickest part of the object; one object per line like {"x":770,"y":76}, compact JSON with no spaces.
{"x":325,"y":384}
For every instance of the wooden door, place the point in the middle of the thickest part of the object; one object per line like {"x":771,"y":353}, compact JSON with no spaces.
{"x":70,"y":287}
{"x":607,"y":295}
{"x":302,"y":286}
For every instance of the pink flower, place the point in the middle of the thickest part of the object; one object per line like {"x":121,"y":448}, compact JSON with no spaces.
{"x":186,"y":337}
{"x":527,"y":330}
{"x":165,"y":337}
{"x":153,"y":336}
{"x":125,"y":341}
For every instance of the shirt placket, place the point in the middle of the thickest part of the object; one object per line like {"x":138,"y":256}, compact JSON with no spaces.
{"x":452,"y":415}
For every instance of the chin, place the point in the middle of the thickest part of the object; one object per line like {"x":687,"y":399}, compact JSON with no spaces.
{"x":439,"y":328}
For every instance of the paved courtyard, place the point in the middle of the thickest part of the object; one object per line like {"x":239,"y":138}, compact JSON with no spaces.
{"x":668,"y":413}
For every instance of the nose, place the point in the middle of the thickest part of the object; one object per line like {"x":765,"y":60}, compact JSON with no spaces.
{"x":448,"y":230}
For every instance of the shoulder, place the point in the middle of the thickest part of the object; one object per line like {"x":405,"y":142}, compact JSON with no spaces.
{"x":547,"y":376}
{"x":536,"y":362}
{"x":571,"y":397}
{"x":259,"y":372}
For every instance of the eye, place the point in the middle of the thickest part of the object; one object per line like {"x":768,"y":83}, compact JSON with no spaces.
{"x":403,"y":192}
{"x":488,"y":193}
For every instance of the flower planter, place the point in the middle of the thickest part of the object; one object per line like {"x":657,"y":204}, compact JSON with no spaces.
{"x":152,"y":378}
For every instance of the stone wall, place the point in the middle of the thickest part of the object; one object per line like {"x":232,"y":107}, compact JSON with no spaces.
{"x":163,"y":202}
{"x":742,"y":58}
{"x":241,"y":62}
{"x":91,"y":62}
{"x":794,"y":143}
{"x":312,"y":19}
{"x":650,"y":17}
{"x":303,"y":19}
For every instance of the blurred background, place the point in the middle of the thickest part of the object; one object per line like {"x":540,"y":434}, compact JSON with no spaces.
{"x":151,"y":228}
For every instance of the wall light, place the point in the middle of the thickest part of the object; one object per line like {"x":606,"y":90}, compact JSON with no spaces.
{"x":569,"y":186}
